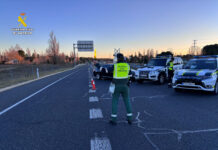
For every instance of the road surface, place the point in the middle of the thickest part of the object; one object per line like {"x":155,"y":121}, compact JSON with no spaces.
{"x":61,"y":112}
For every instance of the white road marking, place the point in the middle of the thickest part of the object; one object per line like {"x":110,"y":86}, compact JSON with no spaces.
{"x":151,"y":142}
{"x":105,"y":94}
{"x":28,"y":97}
{"x":85,"y":94}
{"x":95,"y":113}
{"x":147,"y":113}
{"x":27,"y":82}
{"x":92,"y":91}
{"x":139,"y":121}
{"x":179,"y":133}
{"x":100,"y":144}
{"x":93,"y":99}
{"x":166,"y":131}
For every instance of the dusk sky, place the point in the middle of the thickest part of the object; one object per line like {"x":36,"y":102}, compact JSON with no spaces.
{"x":127,"y":24}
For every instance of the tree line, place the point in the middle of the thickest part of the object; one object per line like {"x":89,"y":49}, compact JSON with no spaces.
{"x":53,"y":56}
{"x":16,"y":55}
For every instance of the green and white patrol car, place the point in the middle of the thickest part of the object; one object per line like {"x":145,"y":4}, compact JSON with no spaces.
{"x":157,"y":69}
{"x":199,"y":73}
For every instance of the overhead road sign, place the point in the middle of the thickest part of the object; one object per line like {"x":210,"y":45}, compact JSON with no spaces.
{"x":85,"y":46}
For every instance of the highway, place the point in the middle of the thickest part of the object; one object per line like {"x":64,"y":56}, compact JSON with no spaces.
{"x":62,"y":112}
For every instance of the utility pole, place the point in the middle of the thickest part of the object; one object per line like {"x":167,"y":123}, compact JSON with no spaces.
{"x":194,"y":43}
{"x":194,"y":46}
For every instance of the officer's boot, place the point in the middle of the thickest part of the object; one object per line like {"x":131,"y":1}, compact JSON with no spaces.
{"x":113,"y":120}
{"x":129,"y":119}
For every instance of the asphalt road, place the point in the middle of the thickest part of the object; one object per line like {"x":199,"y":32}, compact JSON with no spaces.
{"x":62,"y":113}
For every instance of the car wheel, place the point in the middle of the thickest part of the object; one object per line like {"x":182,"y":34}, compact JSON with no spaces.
{"x":140,"y":81}
{"x":215,"y":92}
{"x":132,"y":79}
{"x":161,"y":79}
{"x":98,"y":76}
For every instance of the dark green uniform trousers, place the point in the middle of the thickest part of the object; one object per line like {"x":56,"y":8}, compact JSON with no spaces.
{"x":121,"y":89}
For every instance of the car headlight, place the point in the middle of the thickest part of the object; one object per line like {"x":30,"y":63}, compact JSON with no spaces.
{"x":211,"y":77}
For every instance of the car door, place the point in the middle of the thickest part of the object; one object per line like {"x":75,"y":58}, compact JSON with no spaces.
{"x":180,"y":63}
{"x":104,"y":70}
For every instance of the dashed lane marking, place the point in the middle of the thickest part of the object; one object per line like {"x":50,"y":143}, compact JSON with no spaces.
{"x":100,"y":144}
{"x":92,"y":91}
{"x":95,"y":113}
{"x":93,"y":99}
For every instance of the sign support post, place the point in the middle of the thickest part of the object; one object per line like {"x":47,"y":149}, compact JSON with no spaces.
{"x":74,"y":57}
{"x":82,"y":46}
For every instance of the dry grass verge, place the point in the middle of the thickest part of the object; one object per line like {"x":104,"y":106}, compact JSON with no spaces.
{"x":14,"y":74}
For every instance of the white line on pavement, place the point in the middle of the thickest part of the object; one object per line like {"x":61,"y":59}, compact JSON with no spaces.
{"x":93,"y":99}
{"x":147,"y":113}
{"x":151,"y":142}
{"x":95,"y":113}
{"x":30,"y":81}
{"x":92,"y":91}
{"x":28,"y":97}
{"x":100,"y":144}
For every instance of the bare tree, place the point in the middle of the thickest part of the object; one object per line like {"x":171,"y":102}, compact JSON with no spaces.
{"x":156,"y":53}
{"x":53,"y":49}
{"x":148,"y":53}
{"x":28,"y":52}
{"x":195,"y":50}
{"x":151,"y":53}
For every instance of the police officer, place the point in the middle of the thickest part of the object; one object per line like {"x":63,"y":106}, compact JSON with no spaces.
{"x":170,"y":72}
{"x":121,"y":80}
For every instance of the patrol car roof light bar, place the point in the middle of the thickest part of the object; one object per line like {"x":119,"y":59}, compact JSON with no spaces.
{"x":206,"y":56}
{"x":116,"y":51}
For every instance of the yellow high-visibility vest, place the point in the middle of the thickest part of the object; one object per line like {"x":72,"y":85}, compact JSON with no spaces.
{"x":171,"y":66}
{"x":121,"y":71}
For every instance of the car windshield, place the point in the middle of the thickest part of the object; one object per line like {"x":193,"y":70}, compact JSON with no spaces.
{"x":157,"y":62}
{"x":201,"y":64}
{"x":97,"y":65}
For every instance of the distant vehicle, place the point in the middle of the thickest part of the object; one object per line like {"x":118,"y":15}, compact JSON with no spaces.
{"x":103,"y":71}
{"x":157,"y":69}
{"x":199,"y":73}
{"x":96,"y":69}
{"x":106,"y":72}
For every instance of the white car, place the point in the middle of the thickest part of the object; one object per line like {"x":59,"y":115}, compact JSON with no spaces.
{"x":157,"y":69}
{"x":199,"y":73}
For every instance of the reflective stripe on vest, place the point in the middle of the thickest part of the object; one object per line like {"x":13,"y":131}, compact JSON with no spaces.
{"x":121,"y":71}
{"x":171,"y":66}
